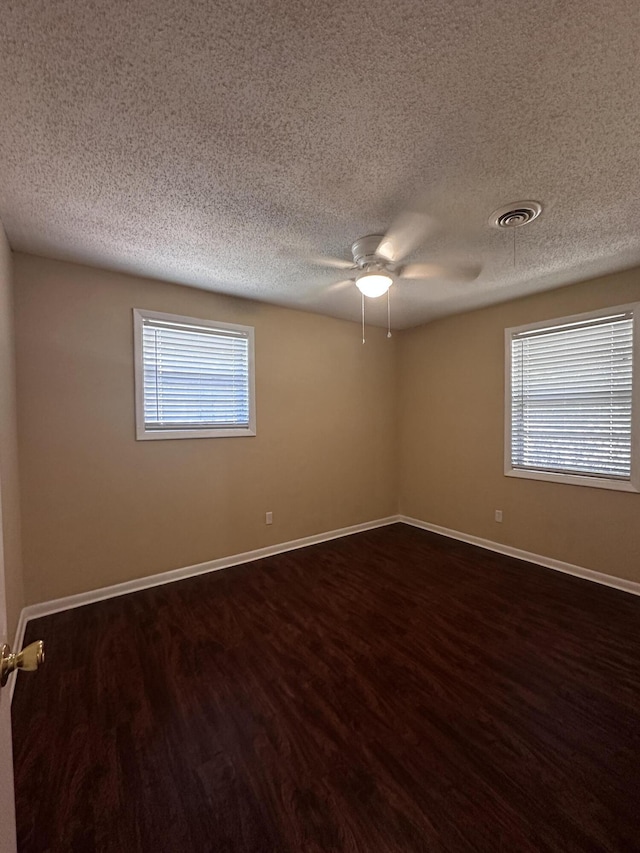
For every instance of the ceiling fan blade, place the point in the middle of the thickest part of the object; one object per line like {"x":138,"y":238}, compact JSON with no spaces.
{"x":339,"y":285}
{"x":333,"y":263}
{"x":408,"y":231}
{"x":450,"y":272}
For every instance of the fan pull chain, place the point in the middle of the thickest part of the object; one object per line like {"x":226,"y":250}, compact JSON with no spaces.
{"x":363,"y":318}
{"x":388,"y":314}
{"x":514,"y":246}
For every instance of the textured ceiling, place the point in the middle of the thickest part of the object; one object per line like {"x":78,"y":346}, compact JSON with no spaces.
{"x":222,"y":144}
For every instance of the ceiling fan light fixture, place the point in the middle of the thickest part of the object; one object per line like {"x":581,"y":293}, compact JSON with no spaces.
{"x":374,"y":283}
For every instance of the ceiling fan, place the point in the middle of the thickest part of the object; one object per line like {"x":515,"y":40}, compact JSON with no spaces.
{"x":378,"y":259}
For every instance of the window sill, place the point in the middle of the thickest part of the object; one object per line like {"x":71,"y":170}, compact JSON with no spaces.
{"x":573,"y":480}
{"x":159,"y":434}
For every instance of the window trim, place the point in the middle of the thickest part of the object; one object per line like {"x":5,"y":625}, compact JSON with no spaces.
{"x":630,"y":485}
{"x":142,"y":433}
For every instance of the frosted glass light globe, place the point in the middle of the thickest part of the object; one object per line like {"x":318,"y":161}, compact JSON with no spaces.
{"x":373,"y":284}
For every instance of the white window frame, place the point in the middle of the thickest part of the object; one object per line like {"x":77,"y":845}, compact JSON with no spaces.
{"x":630,"y":485}
{"x":142,"y":433}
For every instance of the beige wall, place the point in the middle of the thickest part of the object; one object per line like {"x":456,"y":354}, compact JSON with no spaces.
{"x":100,"y":507}
{"x":451,"y":404}
{"x":346,"y":434}
{"x":9,"y":488}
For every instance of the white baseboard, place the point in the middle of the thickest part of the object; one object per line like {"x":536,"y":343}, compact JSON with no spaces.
{"x":46,"y":608}
{"x":519,"y":554}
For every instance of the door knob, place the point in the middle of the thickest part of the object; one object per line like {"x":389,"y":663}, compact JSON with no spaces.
{"x":28,"y":659}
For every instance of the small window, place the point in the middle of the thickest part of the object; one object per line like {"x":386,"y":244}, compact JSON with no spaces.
{"x":571,"y":404}
{"x":194,"y":378}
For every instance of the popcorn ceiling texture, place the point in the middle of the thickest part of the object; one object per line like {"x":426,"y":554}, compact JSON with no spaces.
{"x":221,"y":144}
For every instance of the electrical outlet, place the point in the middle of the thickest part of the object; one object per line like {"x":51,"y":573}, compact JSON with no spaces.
{"x":268,"y":518}
{"x":498,"y":515}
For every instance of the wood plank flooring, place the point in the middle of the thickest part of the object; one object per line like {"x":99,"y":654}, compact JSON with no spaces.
{"x":389,"y":692}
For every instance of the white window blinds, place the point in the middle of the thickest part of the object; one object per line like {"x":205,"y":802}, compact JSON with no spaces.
{"x":194,"y":377}
{"x":571,"y":396}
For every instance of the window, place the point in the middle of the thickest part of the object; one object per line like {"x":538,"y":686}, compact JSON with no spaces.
{"x":571,"y":401}
{"x":194,"y":378}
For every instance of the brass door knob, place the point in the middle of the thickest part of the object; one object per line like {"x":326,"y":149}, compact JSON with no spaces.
{"x":28,"y":659}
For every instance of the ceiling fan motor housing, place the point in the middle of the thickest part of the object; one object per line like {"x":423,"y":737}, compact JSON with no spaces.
{"x":364,"y":251}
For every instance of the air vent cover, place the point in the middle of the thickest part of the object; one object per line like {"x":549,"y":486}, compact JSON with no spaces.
{"x":515,"y":215}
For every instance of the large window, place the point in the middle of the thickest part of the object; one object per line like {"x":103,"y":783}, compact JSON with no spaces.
{"x":571,"y":404}
{"x":194,"y":378}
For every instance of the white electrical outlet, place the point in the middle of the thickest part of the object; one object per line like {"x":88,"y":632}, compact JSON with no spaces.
{"x":498,"y":515}
{"x":268,"y":518}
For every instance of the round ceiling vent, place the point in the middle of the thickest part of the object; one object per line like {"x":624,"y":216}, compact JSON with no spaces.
{"x":515,"y":215}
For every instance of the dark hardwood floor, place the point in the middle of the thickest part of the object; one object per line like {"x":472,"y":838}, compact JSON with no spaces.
{"x":390,"y":691}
